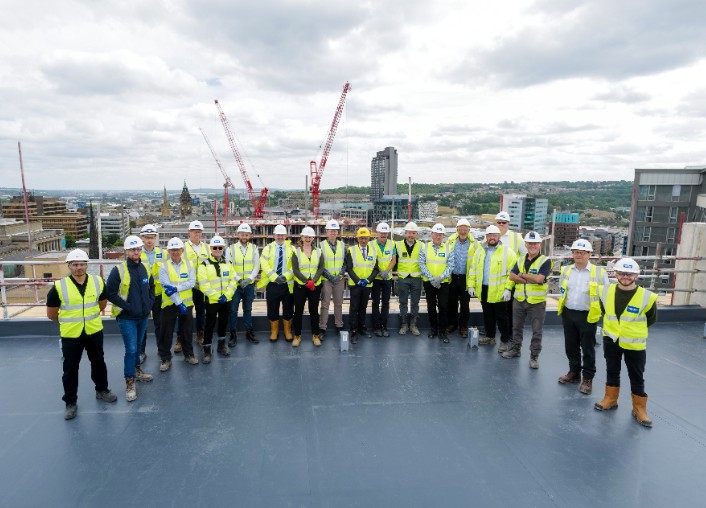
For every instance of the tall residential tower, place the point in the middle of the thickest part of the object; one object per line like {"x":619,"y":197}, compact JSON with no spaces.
{"x":383,"y":174}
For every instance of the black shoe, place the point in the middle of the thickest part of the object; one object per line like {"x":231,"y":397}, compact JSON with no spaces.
{"x":233,"y":341}
{"x":250,"y":335}
{"x":354,"y":337}
{"x":444,"y":338}
{"x":70,"y":411}
{"x":366,"y":333}
{"x":385,"y":333}
{"x":432,"y":333}
{"x":378,"y":332}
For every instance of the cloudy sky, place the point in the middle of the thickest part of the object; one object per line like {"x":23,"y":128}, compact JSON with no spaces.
{"x":111,"y":94}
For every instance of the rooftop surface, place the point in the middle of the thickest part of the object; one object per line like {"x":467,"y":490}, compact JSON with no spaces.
{"x":403,"y":421}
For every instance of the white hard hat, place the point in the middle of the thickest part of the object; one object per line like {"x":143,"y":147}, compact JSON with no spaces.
{"x":217,"y":241}
{"x":175,"y":243}
{"x":244,"y":228}
{"x":307,"y":231}
{"x":533,"y":237}
{"x":438,"y":228}
{"x":76,"y":255}
{"x":196,"y":225}
{"x":383,"y":227}
{"x":133,"y":242}
{"x":411,"y":226}
{"x":148,"y":229}
{"x":332,"y":224}
{"x":492,"y":229}
{"x":627,"y":265}
{"x":503,"y":216}
{"x":463,"y":222}
{"x":582,"y":244}
{"x":280,"y":230}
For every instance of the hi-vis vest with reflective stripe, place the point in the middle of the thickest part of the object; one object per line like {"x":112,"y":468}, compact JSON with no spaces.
{"x":596,"y":279}
{"x":159,"y":257}
{"x":501,"y":262}
{"x":196,"y":259}
{"x":515,"y":242}
{"x":533,"y":293}
{"x":436,"y":261}
{"x":243,"y":264}
{"x":308,"y":266}
{"x":175,"y":279}
{"x":362,"y":267}
{"x":384,"y":255}
{"x":408,"y":264}
{"x":213,"y":285}
{"x":333,"y":261}
{"x":124,"y":287}
{"x":630,"y":330}
{"x":471,"y":249}
{"x":78,"y":312}
{"x":268,"y":265}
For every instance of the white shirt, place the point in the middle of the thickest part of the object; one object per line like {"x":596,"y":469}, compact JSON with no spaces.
{"x":577,"y":297}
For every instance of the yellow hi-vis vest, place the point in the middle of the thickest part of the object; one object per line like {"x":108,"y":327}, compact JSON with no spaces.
{"x":159,"y":257}
{"x":211,"y":284}
{"x":436,"y":261}
{"x":243,"y":264}
{"x":630,"y":329}
{"x":515,"y":242}
{"x":408,"y":264}
{"x":268,"y":265}
{"x":533,"y":293}
{"x":124,"y":287}
{"x":175,"y":279}
{"x":196,"y":259}
{"x":384,"y":255}
{"x":501,"y":262}
{"x":471,"y":248}
{"x":333,"y":261}
{"x":78,"y":312}
{"x":308,"y":265}
{"x":362,"y":267}
{"x":596,"y":278}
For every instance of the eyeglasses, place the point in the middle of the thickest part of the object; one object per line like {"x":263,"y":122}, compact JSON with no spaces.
{"x":501,"y":222}
{"x":134,"y":249}
{"x":624,"y":274}
{"x":217,"y":248}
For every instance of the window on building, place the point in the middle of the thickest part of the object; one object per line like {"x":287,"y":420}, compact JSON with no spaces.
{"x":671,"y":235}
{"x":676,"y":192}
{"x":646,"y":234}
{"x":647,"y":192}
{"x":669,"y":251}
{"x":645,"y":251}
{"x":673,"y":213}
{"x":649,"y":213}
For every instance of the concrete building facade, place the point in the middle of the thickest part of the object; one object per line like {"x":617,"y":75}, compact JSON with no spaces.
{"x":383,"y":174}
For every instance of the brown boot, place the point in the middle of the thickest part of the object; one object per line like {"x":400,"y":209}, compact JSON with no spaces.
{"x":316,"y":340}
{"x":610,"y":401}
{"x":287,"y":329}
{"x":297,"y":340}
{"x":586,"y":386}
{"x":177,"y":346}
{"x":570,"y":377}
{"x":274,"y":330}
{"x":639,"y":410}
{"x":199,"y":337}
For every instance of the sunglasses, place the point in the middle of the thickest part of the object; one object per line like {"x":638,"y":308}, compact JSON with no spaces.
{"x":501,"y":222}
{"x":217,"y":248}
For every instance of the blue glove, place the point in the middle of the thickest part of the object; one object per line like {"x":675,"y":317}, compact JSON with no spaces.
{"x":363,"y":282}
{"x":182,"y":309}
{"x":170,"y":290}
{"x":222,"y":299}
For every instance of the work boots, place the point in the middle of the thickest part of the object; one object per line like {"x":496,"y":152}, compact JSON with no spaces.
{"x":534,"y":361}
{"x":512,"y":352}
{"x":222,"y":348}
{"x":316,"y":340}
{"x":297,"y":340}
{"x":141,"y":375}
{"x":70,"y":411}
{"x":404,"y":326}
{"x":199,"y":337}
{"x":610,"y":401}
{"x":385,"y":333}
{"x":274,"y":330}
{"x":287,"y":329}
{"x":250,"y":335}
{"x":378,"y":331}
{"x":639,"y":410}
{"x":487,"y":341}
{"x":233,"y":341}
{"x":570,"y":378}
{"x":130,"y":389}
{"x":177,"y":346}
{"x":206,"y":354}
{"x":504,"y":346}
{"x":413,"y":326}
{"x":586,"y":386}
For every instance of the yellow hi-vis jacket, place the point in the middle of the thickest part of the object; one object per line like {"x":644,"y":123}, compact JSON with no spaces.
{"x":196,"y":259}
{"x":533,"y":293}
{"x":268,"y":265}
{"x":243,"y":264}
{"x":333,"y":261}
{"x":77,"y":312}
{"x":515,"y":242}
{"x":597,"y":278}
{"x":408,"y":264}
{"x":630,"y":329}
{"x":384,"y":255}
{"x":436,"y":260}
{"x":308,"y":265}
{"x":501,"y":263}
{"x":213,"y":285}
{"x":471,"y":249}
{"x":153,"y":269}
{"x":175,"y":279}
{"x":124,"y":286}
{"x":362,"y":267}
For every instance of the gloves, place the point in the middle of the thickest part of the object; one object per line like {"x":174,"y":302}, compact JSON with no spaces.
{"x":310,"y":285}
{"x":384,"y":275}
{"x":438,"y":281}
{"x":182,"y":309}
{"x":281,"y":280}
{"x":222,"y":299}
{"x":245,"y":283}
{"x":472,"y":292}
{"x":507,"y":295}
{"x":170,"y":290}
{"x":363,"y":282}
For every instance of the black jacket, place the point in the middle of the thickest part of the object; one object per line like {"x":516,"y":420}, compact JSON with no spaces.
{"x":140,"y":296}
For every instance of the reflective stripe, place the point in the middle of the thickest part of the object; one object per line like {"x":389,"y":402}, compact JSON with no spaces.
{"x":243,"y":264}
{"x":74,"y":317}
{"x":436,"y":264}
{"x":630,"y":329}
{"x":333,"y":261}
{"x":175,"y":279}
{"x":408,"y":264}
{"x":124,"y":287}
{"x":533,"y":293}
{"x":363,"y":268}
{"x":308,"y":266}
{"x":384,"y":255}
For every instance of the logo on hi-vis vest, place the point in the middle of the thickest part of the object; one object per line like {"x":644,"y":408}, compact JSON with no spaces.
{"x":563,"y":290}
{"x":158,"y":255}
{"x":632,"y":309}
{"x":387,"y":252}
{"x":225,"y":274}
{"x":404,"y":255}
{"x":533,"y":271}
{"x":184,"y":275}
{"x":442,"y":254}
{"x":145,"y":281}
{"x":369,"y":258}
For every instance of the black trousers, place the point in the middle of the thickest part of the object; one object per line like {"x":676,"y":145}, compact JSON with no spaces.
{"x":216,"y":313}
{"x":200,"y":308}
{"x":156,"y":310}
{"x":458,"y":296}
{"x":579,"y":335}
{"x":302,"y":295}
{"x":634,"y":361}
{"x":72,"y":350}
{"x":277,"y":294}
{"x":381,"y":302}
{"x":358,"y":306}
{"x":495,"y":316}
{"x":437,"y":299}
{"x":169,"y":316}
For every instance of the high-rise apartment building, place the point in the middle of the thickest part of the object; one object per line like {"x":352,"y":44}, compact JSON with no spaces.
{"x":383,"y":174}
{"x":526,"y":214}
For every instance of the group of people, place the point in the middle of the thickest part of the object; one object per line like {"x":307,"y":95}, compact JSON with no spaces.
{"x":206,"y":283}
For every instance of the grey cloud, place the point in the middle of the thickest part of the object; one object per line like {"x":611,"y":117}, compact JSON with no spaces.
{"x":622,"y":94}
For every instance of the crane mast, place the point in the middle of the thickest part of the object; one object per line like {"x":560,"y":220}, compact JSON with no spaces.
{"x":228,"y":182}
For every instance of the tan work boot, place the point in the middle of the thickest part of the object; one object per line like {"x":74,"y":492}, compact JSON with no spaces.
{"x":586,"y":386}
{"x":141,"y":375}
{"x":610,"y":401}
{"x":570,"y":377}
{"x":177,"y":346}
{"x":297,"y":340}
{"x":274,"y":330}
{"x":316,"y":340}
{"x":404,"y":325}
{"x":287,"y":329}
{"x":413,"y":326}
{"x":639,"y":410}
{"x":199,"y":337}
{"x":487,"y":341}
{"x":130,"y":389}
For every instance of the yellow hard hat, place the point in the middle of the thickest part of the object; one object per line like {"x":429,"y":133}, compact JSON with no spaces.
{"x":363,"y":232}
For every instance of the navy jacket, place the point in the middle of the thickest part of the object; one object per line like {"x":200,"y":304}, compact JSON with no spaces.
{"x":140,"y":296}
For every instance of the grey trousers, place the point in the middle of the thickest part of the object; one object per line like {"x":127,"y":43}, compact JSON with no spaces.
{"x":409,"y":286}
{"x":329,"y":290}
{"x":535,"y":312}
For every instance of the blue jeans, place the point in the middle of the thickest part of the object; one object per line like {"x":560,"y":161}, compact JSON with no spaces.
{"x":133,"y":332}
{"x":247,"y":296}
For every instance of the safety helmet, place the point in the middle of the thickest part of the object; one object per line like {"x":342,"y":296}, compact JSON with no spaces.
{"x":627,"y":265}
{"x":148,"y":229}
{"x":332,"y":224}
{"x":217,"y":241}
{"x":492,"y":229}
{"x":196,"y":225}
{"x":582,"y":244}
{"x":133,"y":242}
{"x":76,"y":255}
{"x":503,"y":216}
{"x":383,"y":227}
{"x":363,"y":233}
{"x":175,"y":243}
{"x":307,"y":231}
{"x":533,"y":237}
{"x":463,"y":222}
{"x":280,"y":230}
{"x":244,"y":228}
{"x":438,"y":228}
{"x":411,"y":226}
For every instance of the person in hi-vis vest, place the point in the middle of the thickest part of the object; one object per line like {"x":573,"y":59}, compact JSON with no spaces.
{"x":362,"y":268}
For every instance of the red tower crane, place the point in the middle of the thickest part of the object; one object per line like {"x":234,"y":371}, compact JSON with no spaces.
{"x":318,"y":171}
{"x":258,"y":202}
{"x":228,"y":182}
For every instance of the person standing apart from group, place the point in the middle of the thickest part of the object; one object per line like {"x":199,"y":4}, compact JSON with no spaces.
{"x":277,"y":279}
{"x":76,"y":303}
{"x":382,"y":289}
{"x":362,"y":268}
{"x":151,"y":257}
{"x":245,"y":258}
{"x":462,"y":246}
{"x":333,"y":251}
{"x":308,"y":268}
{"x":409,"y":279}
{"x":196,"y":251}
{"x":436,"y":265}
